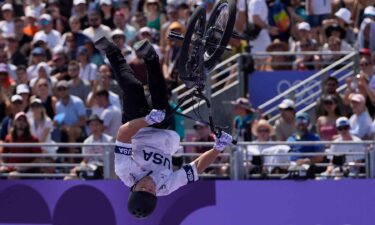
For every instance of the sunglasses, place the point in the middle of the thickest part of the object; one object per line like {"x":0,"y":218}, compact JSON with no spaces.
{"x":35,"y":105}
{"x":343,"y":128}
{"x":263,"y":131}
{"x":62,"y":89}
{"x":364,"y":64}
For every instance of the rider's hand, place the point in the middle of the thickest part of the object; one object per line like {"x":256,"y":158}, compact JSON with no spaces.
{"x":222,"y":142}
{"x":155,"y":116}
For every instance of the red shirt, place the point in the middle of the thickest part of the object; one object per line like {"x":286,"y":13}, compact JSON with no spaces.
{"x":30,"y":139}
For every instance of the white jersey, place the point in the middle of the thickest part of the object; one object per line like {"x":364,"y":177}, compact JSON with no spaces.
{"x":151,"y":150}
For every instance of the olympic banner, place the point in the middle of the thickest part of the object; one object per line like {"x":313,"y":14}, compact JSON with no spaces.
{"x":264,"y":85}
{"x":345,"y":202}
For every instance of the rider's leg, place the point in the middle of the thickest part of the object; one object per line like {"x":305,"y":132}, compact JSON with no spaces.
{"x":134,"y":100}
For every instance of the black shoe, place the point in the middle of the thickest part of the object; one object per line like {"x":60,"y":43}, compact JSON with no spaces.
{"x":104,"y":45}
{"x":145,"y":50}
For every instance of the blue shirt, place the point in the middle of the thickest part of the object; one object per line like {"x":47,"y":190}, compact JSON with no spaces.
{"x":73,"y":110}
{"x":304,"y":148}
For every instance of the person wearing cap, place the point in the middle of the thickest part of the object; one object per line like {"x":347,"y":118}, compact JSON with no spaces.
{"x":307,"y":62}
{"x":74,"y":111}
{"x":304,"y":134}
{"x":20,"y":133}
{"x":172,"y":16}
{"x":87,"y":70}
{"x":303,"y":32}
{"x":343,"y":128}
{"x":41,"y":125}
{"x":43,"y":71}
{"x":325,"y":124}
{"x":38,"y":55}
{"x":53,"y":36}
{"x":78,"y":86}
{"x":24,"y":91}
{"x":203,"y":134}
{"x":244,"y":117}
{"x":6,"y":123}
{"x":96,"y":29}
{"x":369,"y":12}
{"x":75,"y":29}
{"x":366,"y":35}
{"x":107,"y":12}
{"x":146,"y":33}
{"x":37,"y":6}
{"x":343,"y":20}
{"x":7,"y":84}
{"x":111,"y":114}
{"x":80,"y":9}
{"x":360,"y":121}
{"x":285,"y":125}
{"x":119,"y":38}
{"x":144,"y":144}
{"x":30,"y":25}
{"x":121,"y":22}
{"x":7,"y":22}
{"x":21,"y":75}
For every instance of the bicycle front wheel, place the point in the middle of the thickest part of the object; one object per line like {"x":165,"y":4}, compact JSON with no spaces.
{"x":219,"y":30}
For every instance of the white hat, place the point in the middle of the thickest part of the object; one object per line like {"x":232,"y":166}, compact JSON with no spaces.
{"x":117,"y":32}
{"x":106,"y":2}
{"x":16,"y":98}
{"x":7,"y":6}
{"x":45,"y":17}
{"x":369,"y":11}
{"x":30,"y":13}
{"x":77,"y":2}
{"x":357,"y":98}
{"x":22,"y":89}
{"x":344,"y":14}
{"x":342,"y":122}
{"x":40,"y":37}
{"x":286,"y":103}
{"x":304,"y":26}
{"x":145,"y":30}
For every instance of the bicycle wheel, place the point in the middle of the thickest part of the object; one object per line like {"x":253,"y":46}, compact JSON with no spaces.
{"x":218,"y":31}
{"x":190,"y":62}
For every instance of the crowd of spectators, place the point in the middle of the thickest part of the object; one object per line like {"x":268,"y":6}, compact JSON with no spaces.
{"x":55,"y":86}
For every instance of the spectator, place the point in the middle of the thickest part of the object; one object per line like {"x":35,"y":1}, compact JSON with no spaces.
{"x":20,"y":133}
{"x":44,"y":71}
{"x":343,"y":20}
{"x":307,"y":62}
{"x":258,"y":14}
{"x":334,"y":45}
{"x":41,"y":125}
{"x":330,"y":88}
{"x":203,"y":134}
{"x":107,"y":11}
{"x":37,"y":6}
{"x":43,"y":91}
{"x":75,"y":29}
{"x":7,"y":24}
{"x":96,"y":29}
{"x":6,"y":123}
{"x":325,"y":124}
{"x":317,"y":12}
{"x":303,"y":32}
{"x":6,"y":82}
{"x":15,"y":55}
{"x":87,"y":70}
{"x":10,"y":67}
{"x":146,"y":33}
{"x":24,"y":91}
{"x":119,"y":38}
{"x":70,"y":46}
{"x":303,"y":134}
{"x":38,"y":55}
{"x":21,"y":75}
{"x":285,"y":125}
{"x":366,"y":35}
{"x":343,"y":127}
{"x":153,"y":10}
{"x":79,"y":87}
{"x":59,"y":22}
{"x":244,"y":117}
{"x":53,"y":36}
{"x":22,"y":36}
{"x":121,"y":23}
{"x":29,"y":26}
{"x":172,"y":15}
{"x":111,"y":115}
{"x":73,"y":113}
{"x":42,"y":42}
{"x":59,"y":66}
{"x":80,"y":10}
{"x":360,"y":121}
{"x":278,"y":62}
{"x":94,"y":55}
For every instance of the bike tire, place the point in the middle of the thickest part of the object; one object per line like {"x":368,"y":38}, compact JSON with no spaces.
{"x":183,"y":66}
{"x":210,"y":59}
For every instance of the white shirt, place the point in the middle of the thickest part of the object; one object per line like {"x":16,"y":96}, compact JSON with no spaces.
{"x":53,"y":38}
{"x":7,"y":28}
{"x":88,"y":72}
{"x":361,"y":125}
{"x":241,"y":5}
{"x":37,"y":132}
{"x":259,"y":7}
{"x":104,"y":138}
{"x":114,"y":99}
{"x":319,"y":7}
{"x":95,"y":34}
{"x":151,"y":150}
{"x":348,"y":148}
{"x":112,"y":119}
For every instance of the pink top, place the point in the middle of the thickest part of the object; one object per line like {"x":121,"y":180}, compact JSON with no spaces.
{"x":327,"y":132}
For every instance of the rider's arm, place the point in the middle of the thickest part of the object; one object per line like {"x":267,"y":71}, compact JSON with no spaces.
{"x":129,"y":129}
{"x":204,"y":160}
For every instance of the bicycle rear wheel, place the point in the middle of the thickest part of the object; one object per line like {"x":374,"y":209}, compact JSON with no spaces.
{"x":218,"y":31}
{"x":191,"y":57}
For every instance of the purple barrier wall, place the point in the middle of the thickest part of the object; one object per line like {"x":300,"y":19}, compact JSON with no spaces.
{"x":349,"y":202}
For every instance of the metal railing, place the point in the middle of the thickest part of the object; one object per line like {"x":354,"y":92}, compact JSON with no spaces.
{"x":302,"y":92}
{"x":234,"y":164}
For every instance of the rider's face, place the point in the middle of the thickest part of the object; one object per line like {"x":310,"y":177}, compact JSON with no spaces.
{"x":146,"y":184}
